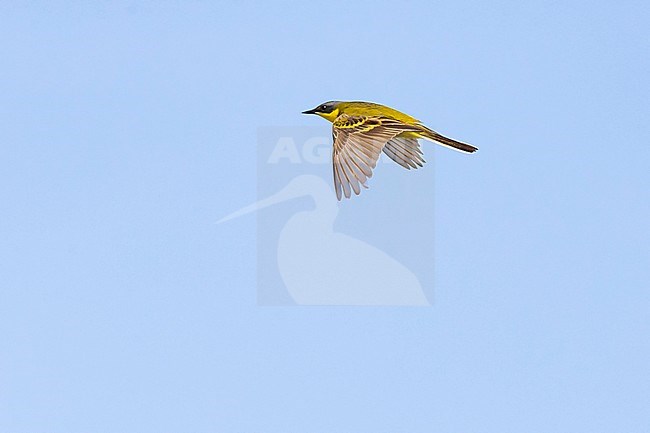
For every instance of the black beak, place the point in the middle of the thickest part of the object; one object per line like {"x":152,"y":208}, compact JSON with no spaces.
{"x":313,"y":111}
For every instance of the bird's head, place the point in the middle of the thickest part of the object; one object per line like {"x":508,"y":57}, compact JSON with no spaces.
{"x":327,"y":110}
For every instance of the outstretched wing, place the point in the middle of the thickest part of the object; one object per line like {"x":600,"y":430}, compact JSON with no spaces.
{"x":358,"y":141}
{"x":405,"y":151}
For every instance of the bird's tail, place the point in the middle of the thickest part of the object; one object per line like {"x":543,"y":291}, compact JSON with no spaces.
{"x":447,"y":142}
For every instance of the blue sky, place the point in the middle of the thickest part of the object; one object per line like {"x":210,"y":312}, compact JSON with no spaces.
{"x":128,"y":128}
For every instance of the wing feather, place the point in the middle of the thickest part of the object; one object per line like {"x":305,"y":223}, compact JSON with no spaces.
{"x":405,"y":151}
{"x":358,"y":142}
{"x":364,"y":165}
{"x":397,"y":158}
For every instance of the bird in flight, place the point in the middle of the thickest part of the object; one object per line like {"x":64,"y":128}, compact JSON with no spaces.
{"x":362,"y":130}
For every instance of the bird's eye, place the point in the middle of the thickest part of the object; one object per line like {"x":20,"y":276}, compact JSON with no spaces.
{"x":323,"y":107}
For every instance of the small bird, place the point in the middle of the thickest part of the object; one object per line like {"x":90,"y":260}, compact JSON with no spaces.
{"x":362,"y":130}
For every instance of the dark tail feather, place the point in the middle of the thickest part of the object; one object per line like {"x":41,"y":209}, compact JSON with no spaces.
{"x":448,"y":142}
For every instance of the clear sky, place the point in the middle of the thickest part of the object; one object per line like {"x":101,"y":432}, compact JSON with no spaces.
{"x":127,"y":129}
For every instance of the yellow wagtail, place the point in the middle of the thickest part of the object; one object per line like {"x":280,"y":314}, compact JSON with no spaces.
{"x":362,"y":130}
